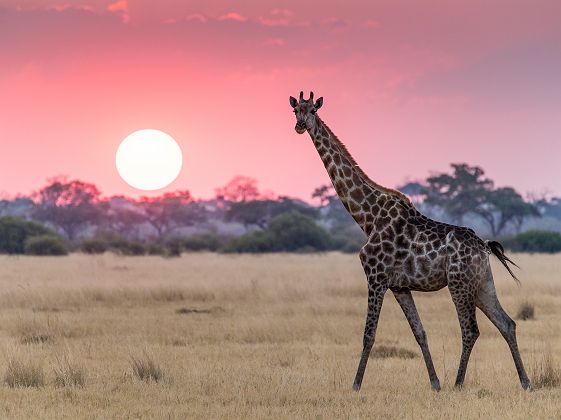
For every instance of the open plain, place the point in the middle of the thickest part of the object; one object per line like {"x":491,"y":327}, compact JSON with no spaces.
{"x":272,"y":336}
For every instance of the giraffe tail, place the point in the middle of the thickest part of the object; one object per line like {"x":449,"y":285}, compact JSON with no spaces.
{"x":499,"y":252}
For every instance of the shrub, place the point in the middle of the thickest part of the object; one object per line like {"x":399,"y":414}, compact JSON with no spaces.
{"x":253,"y":242}
{"x":173,"y":247}
{"x":155,"y":249}
{"x":14,"y":231}
{"x":525,"y":312}
{"x":287,"y":232}
{"x":45,"y":245}
{"x":94,"y":246}
{"x":131,"y":248}
{"x":535,"y":241}
{"x":205,"y":242}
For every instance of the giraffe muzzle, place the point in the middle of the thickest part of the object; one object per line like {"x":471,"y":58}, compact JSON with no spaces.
{"x":300,"y":127}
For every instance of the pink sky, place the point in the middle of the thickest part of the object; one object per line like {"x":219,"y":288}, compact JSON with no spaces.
{"x":409,"y":86}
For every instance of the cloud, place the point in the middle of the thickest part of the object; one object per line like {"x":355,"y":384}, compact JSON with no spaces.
{"x":233,"y":16}
{"x":66,"y":6}
{"x":122,"y":7}
{"x":276,"y":17}
{"x":194,"y":17}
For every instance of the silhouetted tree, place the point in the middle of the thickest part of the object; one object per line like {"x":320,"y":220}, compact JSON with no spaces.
{"x":460,"y":193}
{"x":324,"y":193}
{"x":239,"y":189}
{"x":70,"y":205}
{"x":413,"y":189}
{"x":171,"y":211}
{"x":505,"y":206}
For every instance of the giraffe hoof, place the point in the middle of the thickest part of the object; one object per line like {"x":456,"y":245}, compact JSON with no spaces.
{"x":356,"y":387}
{"x":528,"y":386}
{"x":435,"y":386}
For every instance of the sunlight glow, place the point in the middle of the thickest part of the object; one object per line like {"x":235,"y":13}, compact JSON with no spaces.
{"x":149,"y":159}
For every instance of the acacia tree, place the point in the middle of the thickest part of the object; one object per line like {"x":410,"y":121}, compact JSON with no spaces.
{"x":239,"y":189}
{"x":171,"y":211}
{"x":69,"y":205}
{"x":324,"y":193}
{"x":506,"y":206}
{"x":460,"y":193}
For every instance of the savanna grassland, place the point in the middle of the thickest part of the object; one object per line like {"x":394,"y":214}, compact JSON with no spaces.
{"x":221,"y":336}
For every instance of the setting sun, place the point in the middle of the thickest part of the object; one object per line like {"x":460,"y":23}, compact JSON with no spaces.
{"x":149,"y":159}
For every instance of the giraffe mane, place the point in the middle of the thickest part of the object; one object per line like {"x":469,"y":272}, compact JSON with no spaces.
{"x":397,"y":194}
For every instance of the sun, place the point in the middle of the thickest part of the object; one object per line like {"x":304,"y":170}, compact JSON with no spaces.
{"x":149,"y":159}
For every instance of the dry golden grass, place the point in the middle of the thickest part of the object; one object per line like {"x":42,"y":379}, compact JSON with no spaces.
{"x":256,"y":336}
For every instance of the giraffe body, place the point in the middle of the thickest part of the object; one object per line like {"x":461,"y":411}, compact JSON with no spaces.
{"x":407,"y":251}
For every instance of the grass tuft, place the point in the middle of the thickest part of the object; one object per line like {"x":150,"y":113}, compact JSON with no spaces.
{"x":484,"y":393}
{"x":545,"y":374}
{"x":146,"y":368}
{"x":525,"y":312}
{"x":23,"y":374}
{"x":385,"y":352}
{"x":69,"y":373}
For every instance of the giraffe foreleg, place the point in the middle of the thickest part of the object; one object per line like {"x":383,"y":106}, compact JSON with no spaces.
{"x":407,"y":304}
{"x":376,"y":292}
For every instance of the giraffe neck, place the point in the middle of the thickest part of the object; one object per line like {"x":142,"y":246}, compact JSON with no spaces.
{"x":362,"y":197}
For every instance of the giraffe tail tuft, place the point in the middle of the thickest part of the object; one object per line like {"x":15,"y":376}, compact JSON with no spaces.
{"x":499,"y":252}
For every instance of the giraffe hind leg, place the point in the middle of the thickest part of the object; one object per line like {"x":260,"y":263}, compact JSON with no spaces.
{"x":407,"y":304}
{"x":489,"y":304}
{"x":463,"y":295}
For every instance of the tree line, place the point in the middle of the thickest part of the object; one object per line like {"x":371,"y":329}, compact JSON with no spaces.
{"x":68,"y":214}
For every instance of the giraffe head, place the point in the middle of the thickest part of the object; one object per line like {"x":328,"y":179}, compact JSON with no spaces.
{"x":305,"y":111}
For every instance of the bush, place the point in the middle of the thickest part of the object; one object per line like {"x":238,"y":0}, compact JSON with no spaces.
{"x":131,"y":248}
{"x":254,"y":242}
{"x":110,"y":241}
{"x":14,"y":231}
{"x":535,"y":241}
{"x":525,"y":311}
{"x":45,"y":245}
{"x":93,"y":246}
{"x":287,"y":232}
{"x":205,"y":242}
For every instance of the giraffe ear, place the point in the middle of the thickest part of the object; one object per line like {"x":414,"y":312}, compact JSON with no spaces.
{"x":318,"y":103}
{"x":293,"y":102}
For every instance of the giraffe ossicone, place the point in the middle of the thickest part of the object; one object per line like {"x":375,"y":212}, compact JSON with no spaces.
{"x":407,"y":251}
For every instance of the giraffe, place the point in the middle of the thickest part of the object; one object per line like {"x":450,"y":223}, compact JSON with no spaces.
{"x":406,"y":251}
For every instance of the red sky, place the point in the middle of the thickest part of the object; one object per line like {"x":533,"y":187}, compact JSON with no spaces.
{"x":409,"y":86}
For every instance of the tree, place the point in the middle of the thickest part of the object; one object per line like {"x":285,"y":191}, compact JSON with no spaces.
{"x":460,"y":193}
{"x":413,"y":189}
{"x":171,"y":211}
{"x":324,"y":193}
{"x":259,"y":212}
{"x":239,"y":189}
{"x":70,"y":205}
{"x":505,"y":206}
